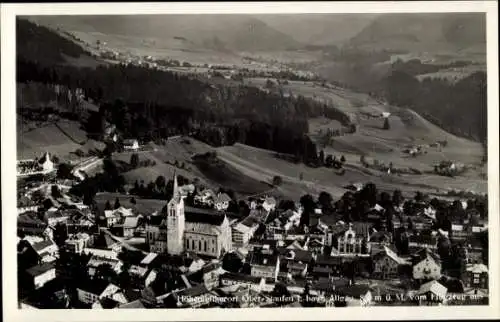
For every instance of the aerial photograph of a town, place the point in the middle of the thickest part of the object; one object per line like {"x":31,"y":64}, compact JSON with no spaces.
{"x":196,"y":161}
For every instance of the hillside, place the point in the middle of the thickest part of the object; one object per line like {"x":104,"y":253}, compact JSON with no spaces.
{"x":42,"y":45}
{"x":322,"y":29}
{"x":427,"y":32}
{"x":221,"y":32}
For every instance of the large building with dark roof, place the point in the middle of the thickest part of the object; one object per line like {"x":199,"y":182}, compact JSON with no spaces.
{"x":181,"y":229}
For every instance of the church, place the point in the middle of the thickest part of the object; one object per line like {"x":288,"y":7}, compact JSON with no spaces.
{"x":178,"y":229}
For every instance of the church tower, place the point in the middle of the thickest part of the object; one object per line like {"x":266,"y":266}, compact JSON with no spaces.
{"x":175,"y":222}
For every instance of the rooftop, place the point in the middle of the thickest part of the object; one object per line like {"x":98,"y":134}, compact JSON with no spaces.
{"x":40,"y":269}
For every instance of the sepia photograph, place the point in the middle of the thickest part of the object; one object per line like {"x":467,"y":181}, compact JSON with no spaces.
{"x":268,"y":161}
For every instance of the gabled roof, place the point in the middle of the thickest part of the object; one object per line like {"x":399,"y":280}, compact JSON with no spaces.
{"x":478,"y":268}
{"x":40,"y":269}
{"x":392,"y":255}
{"x":137,"y":304}
{"x":131,"y":222}
{"x":94,"y":286}
{"x":222,"y":197}
{"x":424,"y":253}
{"x":434,"y":287}
{"x":149,"y":258}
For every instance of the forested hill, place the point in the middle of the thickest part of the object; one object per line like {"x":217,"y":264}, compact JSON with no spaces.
{"x":43,"y":46}
{"x":147,"y":103}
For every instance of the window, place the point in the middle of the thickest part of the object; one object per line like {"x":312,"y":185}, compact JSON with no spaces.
{"x":192,"y":244}
{"x":205,"y":246}
{"x":476,"y":280}
{"x":199,"y":244}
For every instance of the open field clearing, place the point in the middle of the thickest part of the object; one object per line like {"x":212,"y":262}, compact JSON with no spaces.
{"x":263,"y":165}
{"x":33,"y":140}
{"x":172,"y":48}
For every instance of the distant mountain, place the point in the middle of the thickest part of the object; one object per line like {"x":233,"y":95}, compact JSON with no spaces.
{"x":429,"y":32}
{"x":232,"y":32}
{"x":319,"y":29}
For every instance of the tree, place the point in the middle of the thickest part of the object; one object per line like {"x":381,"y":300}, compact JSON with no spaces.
{"x":160,"y":182}
{"x":134,"y":160}
{"x":117,"y":203}
{"x":105,"y":272}
{"x":55,"y":192}
{"x":329,"y":161}
{"x":397,"y":197}
{"x":277,"y":181}
{"x":386,"y":124}
{"x":325,"y":200}
{"x":321,"y":157}
{"x":64,"y":171}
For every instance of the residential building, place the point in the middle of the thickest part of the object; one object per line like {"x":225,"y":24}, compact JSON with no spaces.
{"x":387,"y":264}
{"x":476,"y":276}
{"x":130,"y":226}
{"x":78,"y":242}
{"x":131,"y":144}
{"x":92,"y":291}
{"x":41,"y":274}
{"x":221,"y":201}
{"x":426,"y":265}
{"x":431,"y":293}
{"x":264,"y":263}
{"x":229,"y":279}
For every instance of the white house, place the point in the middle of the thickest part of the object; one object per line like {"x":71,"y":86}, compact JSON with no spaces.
{"x":221,"y":201}
{"x":269,"y":204}
{"x":78,"y":242}
{"x":42,"y":273}
{"x":94,"y":290}
{"x":428,"y":268}
{"x":131,"y":144}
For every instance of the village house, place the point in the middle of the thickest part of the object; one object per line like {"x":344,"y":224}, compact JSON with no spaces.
{"x":221,"y":201}
{"x":208,"y":275}
{"x":243,"y":231}
{"x":229,"y":279}
{"x":130,"y":226}
{"x":96,"y":261}
{"x":476,"y":276}
{"x":264,"y":263}
{"x":353,"y":296}
{"x":294,"y":261}
{"x":387,"y":264}
{"x":327,"y":266}
{"x":431,"y":293}
{"x":426,"y":265}
{"x":41,"y":274}
{"x":90,"y":292}
{"x":78,"y":242}
{"x":29,"y":223}
{"x":46,"y":250}
{"x":205,"y":197}
{"x":131,"y":144}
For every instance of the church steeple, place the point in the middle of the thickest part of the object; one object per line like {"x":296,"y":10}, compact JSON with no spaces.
{"x":175,"y":193}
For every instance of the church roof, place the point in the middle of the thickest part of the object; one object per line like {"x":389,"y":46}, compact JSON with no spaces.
{"x":205,"y":216}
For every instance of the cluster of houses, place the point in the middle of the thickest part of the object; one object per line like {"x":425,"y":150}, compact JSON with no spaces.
{"x":43,"y":165}
{"x":211,"y":256}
